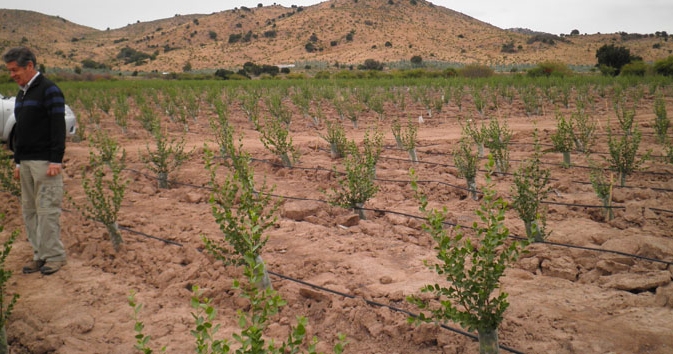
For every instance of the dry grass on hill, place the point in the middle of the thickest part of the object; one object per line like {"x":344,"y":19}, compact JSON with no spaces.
{"x":278,"y":35}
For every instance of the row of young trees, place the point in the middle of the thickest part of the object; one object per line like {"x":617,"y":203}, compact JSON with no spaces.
{"x":243,"y":227}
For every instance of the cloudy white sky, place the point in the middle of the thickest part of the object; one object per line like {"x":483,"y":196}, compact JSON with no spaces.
{"x":559,"y":16}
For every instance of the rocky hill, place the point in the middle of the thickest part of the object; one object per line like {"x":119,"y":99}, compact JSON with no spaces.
{"x":334,"y":31}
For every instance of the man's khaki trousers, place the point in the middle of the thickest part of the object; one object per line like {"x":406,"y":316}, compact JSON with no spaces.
{"x":41,"y":198}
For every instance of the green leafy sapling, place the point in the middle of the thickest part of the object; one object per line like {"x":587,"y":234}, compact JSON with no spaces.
{"x":142,"y":340}
{"x":357,"y":184}
{"x":603,"y":189}
{"x":243,"y":212}
{"x":661,"y":120}
{"x":472,"y":267}
{"x":8,"y":183}
{"x":623,"y":150}
{"x":530,"y":188}
{"x":562,"y":138}
{"x":496,"y":138}
{"x":104,"y":187}
{"x":7,"y":301}
{"x":166,"y":158}
{"x":336,"y":138}
{"x":466,"y":162}
{"x":275,"y":135}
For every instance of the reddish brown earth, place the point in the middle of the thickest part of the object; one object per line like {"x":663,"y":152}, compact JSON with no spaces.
{"x":563,"y":300}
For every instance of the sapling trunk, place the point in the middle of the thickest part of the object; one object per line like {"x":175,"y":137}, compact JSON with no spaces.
{"x":534,"y":231}
{"x":162,"y":178}
{"x":334,"y":150}
{"x":412,"y":155}
{"x":285,"y":159}
{"x":4,"y":348}
{"x":265,"y":282}
{"x":607,"y":206}
{"x":115,"y":235}
{"x":566,"y":159}
{"x":472,"y":188}
{"x":480,"y":150}
{"x":398,"y":141}
{"x":488,"y":341}
{"x":361,"y":212}
{"x":607,"y":203}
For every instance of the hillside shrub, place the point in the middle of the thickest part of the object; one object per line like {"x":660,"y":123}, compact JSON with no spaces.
{"x":508,"y":47}
{"x":611,"y":59}
{"x":546,"y":38}
{"x":92,"y":64}
{"x":235,"y":37}
{"x":130,"y":55}
{"x":371,"y":64}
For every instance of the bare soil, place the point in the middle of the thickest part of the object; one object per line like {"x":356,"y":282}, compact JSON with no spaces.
{"x":563,"y":300}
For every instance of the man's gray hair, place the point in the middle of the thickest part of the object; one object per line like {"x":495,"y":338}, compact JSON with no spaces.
{"x":21,"y":55}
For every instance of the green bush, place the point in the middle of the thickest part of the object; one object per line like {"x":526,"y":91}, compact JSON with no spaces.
{"x":613,"y":58}
{"x":636,"y":68}
{"x":417,"y":60}
{"x":476,"y":71}
{"x":130,"y":55}
{"x":371,"y":64}
{"x":664,"y":66}
{"x":550,"y":68}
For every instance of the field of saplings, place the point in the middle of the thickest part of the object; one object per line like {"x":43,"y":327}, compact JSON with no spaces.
{"x":357,"y":216}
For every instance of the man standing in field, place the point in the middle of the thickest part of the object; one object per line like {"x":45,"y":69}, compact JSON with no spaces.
{"x":39,"y":146}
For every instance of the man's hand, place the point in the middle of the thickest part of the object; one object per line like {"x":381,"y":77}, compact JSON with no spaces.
{"x":54,"y":169}
{"x":16,"y":173}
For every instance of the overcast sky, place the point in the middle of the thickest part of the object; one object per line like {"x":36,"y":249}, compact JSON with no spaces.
{"x":559,"y":16}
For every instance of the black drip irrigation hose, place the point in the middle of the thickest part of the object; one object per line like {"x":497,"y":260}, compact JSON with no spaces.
{"x":170,"y":242}
{"x":383,"y":211}
{"x":456,"y":187}
{"x":392,"y":308}
{"x":551,"y":179}
{"x":549,"y":163}
{"x":516,"y":237}
{"x":368,"y":302}
{"x":125,"y":228}
{"x":584,"y":205}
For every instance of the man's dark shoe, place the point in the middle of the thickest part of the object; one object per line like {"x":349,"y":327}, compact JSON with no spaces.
{"x":33,"y":266}
{"x":51,"y":267}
